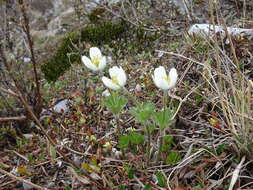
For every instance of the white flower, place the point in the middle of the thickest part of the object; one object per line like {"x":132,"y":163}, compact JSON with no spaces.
{"x":164,"y":81}
{"x":96,"y":62}
{"x":118,"y":78}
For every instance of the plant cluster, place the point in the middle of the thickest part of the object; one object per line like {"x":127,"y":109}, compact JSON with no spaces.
{"x":144,"y":112}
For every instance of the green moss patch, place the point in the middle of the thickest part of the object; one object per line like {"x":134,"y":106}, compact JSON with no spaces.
{"x":60,"y":62}
{"x":66,"y":53}
{"x":119,"y":36}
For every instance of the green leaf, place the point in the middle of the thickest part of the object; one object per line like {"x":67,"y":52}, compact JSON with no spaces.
{"x":198,"y":187}
{"x":167,"y":143}
{"x":221,"y":148}
{"x":143,"y":111}
{"x":67,"y":187}
{"x":173,"y":158}
{"x":250,"y":145}
{"x":147,"y":187}
{"x":136,"y":138}
{"x":124,"y":141}
{"x":168,"y":139}
{"x":161,"y":179}
{"x":150,"y":128}
{"x":52,"y":152}
{"x":121,"y":187}
{"x":166,"y":147}
{"x":115,"y":103}
{"x":163,"y":118}
{"x":130,"y":171}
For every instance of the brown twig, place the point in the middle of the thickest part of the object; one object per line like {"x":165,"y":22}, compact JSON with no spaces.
{"x":22,"y":180}
{"x":7,"y":183}
{"x":30,"y":113}
{"x":17,"y":118}
{"x":9,"y":91}
{"x":18,"y":154}
{"x":26,"y":28}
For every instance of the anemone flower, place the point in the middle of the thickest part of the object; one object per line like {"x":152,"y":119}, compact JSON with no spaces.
{"x":118,"y":78}
{"x":164,"y":81}
{"x":96,"y":62}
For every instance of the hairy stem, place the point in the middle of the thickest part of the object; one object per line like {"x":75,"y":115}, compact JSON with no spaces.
{"x":130,"y":96}
{"x":148,"y":145}
{"x":165,"y":97}
{"x":119,"y":132}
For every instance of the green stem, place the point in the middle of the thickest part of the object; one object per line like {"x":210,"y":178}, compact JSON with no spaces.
{"x":119,"y":133}
{"x":149,"y":144}
{"x":165,"y":97}
{"x":158,"y":158}
{"x":130,"y":96}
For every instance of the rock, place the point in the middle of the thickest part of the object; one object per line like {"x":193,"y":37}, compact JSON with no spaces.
{"x":62,"y":106}
{"x":27,"y":186}
{"x":27,"y":59}
{"x":182,"y":6}
{"x":209,"y":30}
{"x":106,"y":93}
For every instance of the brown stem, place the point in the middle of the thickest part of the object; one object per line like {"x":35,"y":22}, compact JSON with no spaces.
{"x":6,"y":119}
{"x":26,"y":28}
{"x":19,"y":95}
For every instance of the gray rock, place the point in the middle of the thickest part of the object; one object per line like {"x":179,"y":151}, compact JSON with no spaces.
{"x":62,"y":106}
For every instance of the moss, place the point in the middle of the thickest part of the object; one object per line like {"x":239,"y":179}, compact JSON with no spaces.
{"x":66,"y":54}
{"x":103,"y":33}
{"x":7,"y":135}
{"x":119,"y":36}
{"x":60,"y":62}
{"x":144,"y":39}
{"x":96,"y":14}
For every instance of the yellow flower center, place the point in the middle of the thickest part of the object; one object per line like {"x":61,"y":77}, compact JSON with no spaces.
{"x":166,"y":78}
{"x":96,"y":60}
{"x":115,"y":80}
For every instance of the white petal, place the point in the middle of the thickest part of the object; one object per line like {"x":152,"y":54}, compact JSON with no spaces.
{"x":160,"y":72}
{"x":164,"y":84}
{"x":102,"y":63}
{"x":161,"y":83}
{"x":114,"y":71}
{"x":108,"y":83}
{"x":155,"y":81}
{"x":121,"y":77}
{"x":173,"y":77}
{"x":87,"y":62}
{"x":159,"y":78}
{"x":95,"y":52}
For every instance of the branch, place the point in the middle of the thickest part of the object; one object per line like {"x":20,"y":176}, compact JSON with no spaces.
{"x":6,"y":119}
{"x":26,"y":28}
